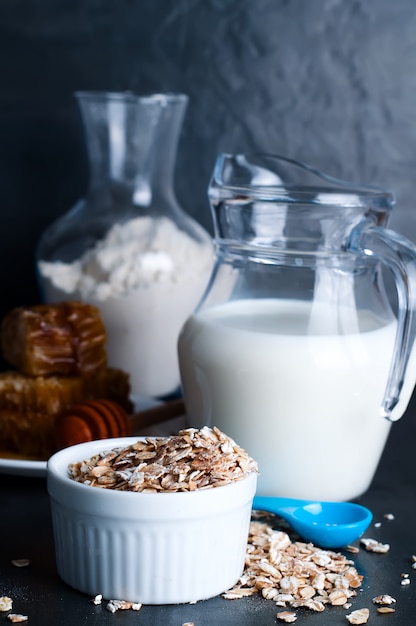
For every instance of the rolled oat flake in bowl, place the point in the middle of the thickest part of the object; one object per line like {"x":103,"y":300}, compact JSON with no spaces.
{"x":192,"y":459}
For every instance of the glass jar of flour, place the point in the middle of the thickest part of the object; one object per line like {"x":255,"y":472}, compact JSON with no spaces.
{"x":127,"y":247}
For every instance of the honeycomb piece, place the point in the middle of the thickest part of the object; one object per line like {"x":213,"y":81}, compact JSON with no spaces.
{"x":65,"y":338}
{"x":26,"y":435}
{"x":29,"y":406}
{"x":53,"y":394}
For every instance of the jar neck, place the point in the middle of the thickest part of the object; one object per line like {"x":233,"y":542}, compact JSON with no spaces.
{"x":132,"y":145}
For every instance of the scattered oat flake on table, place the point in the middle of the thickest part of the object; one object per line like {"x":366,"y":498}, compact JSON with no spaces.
{"x":20,"y":562}
{"x":337,"y":597}
{"x":389,"y":516}
{"x":188,"y":624}
{"x":17,"y":617}
{"x":384,"y":599}
{"x":405,"y":581}
{"x":287,"y":616}
{"x":314,"y":605}
{"x":352,"y":549}
{"x":123,"y":605}
{"x":97,"y":599}
{"x":6,"y":604}
{"x":385,"y":609}
{"x":372,"y":545}
{"x":360,"y":616}
{"x":237,"y":594}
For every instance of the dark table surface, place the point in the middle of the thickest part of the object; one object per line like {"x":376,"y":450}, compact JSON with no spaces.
{"x":38,"y":592}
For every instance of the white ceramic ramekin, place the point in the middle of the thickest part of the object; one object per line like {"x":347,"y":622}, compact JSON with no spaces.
{"x":154,"y":548}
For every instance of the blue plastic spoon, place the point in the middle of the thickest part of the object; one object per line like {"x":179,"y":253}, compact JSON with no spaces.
{"x":327,"y":524}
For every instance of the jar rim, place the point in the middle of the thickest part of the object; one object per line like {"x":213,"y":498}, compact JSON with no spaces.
{"x":131,"y":96}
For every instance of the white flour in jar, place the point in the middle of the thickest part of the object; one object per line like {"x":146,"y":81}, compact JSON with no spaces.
{"x":146,"y":276}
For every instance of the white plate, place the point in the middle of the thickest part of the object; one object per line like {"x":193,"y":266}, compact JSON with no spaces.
{"x":35,"y":469}
{"x":21,"y":467}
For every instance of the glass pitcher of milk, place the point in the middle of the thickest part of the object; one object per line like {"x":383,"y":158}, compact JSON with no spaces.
{"x":295,"y":351}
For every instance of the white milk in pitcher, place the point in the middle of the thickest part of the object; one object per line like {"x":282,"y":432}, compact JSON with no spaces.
{"x":306,"y":407}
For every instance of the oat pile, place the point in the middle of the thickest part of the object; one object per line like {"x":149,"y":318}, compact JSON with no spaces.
{"x":294,"y":574}
{"x":192,"y":459}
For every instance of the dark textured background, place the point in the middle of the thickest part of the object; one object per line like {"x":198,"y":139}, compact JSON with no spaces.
{"x":332,"y":82}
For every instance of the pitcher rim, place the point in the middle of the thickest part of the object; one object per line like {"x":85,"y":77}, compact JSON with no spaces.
{"x":307,"y":194}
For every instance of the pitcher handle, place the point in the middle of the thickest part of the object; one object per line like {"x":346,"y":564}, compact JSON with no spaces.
{"x":399,"y":255}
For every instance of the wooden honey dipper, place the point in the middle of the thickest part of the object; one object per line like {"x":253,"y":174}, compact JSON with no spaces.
{"x":89,"y":420}
{"x":103,"y":419}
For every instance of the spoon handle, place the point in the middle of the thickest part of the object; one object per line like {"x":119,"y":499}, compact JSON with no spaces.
{"x":280,"y":506}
